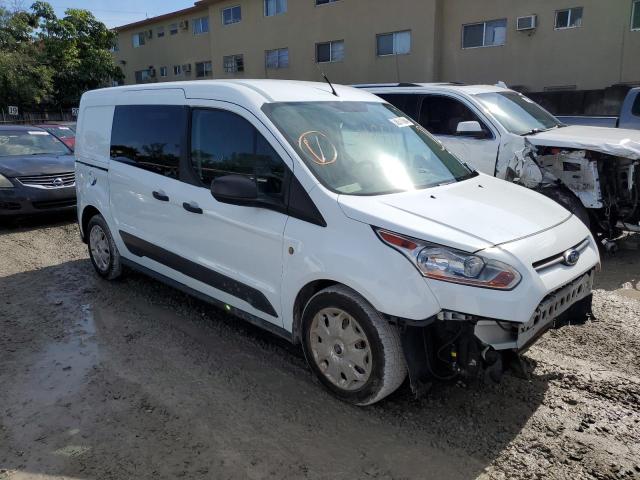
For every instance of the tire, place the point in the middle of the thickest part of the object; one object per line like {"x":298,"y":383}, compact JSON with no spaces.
{"x":102,"y":249}
{"x":568,"y":200}
{"x":355,"y":353}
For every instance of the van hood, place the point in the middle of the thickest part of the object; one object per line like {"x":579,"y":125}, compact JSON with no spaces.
{"x":611,"y":141}
{"x":470,"y":215}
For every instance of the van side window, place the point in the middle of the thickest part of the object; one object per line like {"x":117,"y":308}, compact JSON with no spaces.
{"x":408,"y":103}
{"x":223,"y":143}
{"x":441,"y":115}
{"x":149,"y":137}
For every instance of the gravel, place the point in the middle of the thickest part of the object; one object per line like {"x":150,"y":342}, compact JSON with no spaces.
{"x":132,"y":379}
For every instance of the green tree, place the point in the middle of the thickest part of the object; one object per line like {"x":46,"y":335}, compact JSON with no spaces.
{"x":49,"y":60}
{"x":23,"y":79}
{"x":77,"y":49}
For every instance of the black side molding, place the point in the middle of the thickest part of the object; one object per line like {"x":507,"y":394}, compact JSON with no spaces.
{"x":252,"y":296}
{"x":257,"y":321}
{"x":92,"y":166}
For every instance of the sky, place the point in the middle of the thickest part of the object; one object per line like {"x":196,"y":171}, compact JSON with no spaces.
{"x":120,"y":12}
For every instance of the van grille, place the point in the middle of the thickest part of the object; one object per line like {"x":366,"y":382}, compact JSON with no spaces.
{"x":559,"y":257}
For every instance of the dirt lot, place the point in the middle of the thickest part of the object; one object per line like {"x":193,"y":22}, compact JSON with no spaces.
{"x":135,"y":380}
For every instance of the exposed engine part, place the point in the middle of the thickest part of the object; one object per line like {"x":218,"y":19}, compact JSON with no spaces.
{"x":607,"y":185}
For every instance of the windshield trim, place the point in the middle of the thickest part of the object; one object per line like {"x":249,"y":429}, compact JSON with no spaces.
{"x":290,"y":143}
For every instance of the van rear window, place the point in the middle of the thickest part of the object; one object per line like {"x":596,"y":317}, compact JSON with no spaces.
{"x":151,"y":137}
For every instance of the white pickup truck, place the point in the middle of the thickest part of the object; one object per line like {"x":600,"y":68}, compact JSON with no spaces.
{"x":593,"y":172}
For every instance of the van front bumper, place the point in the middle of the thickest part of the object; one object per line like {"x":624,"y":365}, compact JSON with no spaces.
{"x":520,"y":336}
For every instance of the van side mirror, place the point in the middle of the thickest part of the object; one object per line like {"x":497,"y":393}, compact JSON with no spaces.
{"x":234,"y":189}
{"x":470,"y":129}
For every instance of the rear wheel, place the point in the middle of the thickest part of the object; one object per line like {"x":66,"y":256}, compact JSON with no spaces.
{"x":355,"y":353}
{"x":102,"y":249}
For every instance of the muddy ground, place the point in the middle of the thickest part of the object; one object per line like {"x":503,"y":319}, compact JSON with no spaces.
{"x":135,"y":380}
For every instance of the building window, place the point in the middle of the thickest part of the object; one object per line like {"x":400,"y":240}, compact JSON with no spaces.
{"x":330,"y":51}
{"x":203,"y":69}
{"x":325,"y":2}
{"x":569,"y":18}
{"x":177,"y":70}
{"x":173,"y":29}
{"x":233,"y":63}
{"x":278,"y":58}
{"x":115,"y":47}
{"x":635,"y":15}
{"x":143,"y":76}
{"x":485,"y":34}
{"x":138,"y":39}
{"x":231,"y":15}
{"x":160,"y":32}
{"x":396,"y":43}
{"x":200,"y":25}
{"x":274,"y":7}
{"x":163,"y":71}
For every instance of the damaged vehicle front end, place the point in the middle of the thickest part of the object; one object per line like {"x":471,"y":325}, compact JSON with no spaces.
{"x":594,"y":172}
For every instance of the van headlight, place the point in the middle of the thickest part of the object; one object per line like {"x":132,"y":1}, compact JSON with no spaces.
{"x":450,"y":265}
{"x":4,"y":182}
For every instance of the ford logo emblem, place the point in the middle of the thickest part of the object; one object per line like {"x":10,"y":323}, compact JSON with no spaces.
{"x":571,"y":257}
{"x":58,"y":182}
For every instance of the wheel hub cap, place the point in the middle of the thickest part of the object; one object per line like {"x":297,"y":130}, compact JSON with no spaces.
{"x":99,"y":245}
{"x":340,"y":348}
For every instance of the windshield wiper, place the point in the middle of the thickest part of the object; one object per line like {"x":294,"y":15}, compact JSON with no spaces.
{"x":533,"y":131}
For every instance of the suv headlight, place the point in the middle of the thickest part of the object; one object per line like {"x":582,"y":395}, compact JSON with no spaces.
{"x":450,"y":265}
{"x":4,"y":182}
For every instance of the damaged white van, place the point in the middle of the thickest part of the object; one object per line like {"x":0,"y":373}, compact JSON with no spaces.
{"x":330,"y":218}
{"x":593,"y":172}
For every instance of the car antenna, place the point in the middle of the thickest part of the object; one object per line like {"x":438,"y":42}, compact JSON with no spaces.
{"x":326,"y":79}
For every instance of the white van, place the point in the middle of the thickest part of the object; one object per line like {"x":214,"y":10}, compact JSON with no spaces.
{"x":329,"y":218}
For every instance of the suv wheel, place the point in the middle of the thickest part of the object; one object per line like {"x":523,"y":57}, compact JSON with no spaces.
{"x":102,"y":249}
{"x":354,"y":352}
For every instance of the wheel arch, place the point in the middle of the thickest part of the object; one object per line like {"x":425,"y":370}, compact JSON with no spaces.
{"x":87,"y":214}
{"x":302,"y":298}
{"x":305,"y":294}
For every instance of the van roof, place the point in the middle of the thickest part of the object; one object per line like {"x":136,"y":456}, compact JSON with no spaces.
{"x":256,"y":92}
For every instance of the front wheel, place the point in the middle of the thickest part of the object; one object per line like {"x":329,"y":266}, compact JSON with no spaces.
{"x":355,"y":353}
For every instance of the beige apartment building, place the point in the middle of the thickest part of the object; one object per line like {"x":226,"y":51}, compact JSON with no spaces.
{"x":535,"y":45}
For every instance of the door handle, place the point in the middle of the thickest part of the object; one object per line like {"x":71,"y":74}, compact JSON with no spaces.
{"x":192,"y":207}
{"x":160,"y":195}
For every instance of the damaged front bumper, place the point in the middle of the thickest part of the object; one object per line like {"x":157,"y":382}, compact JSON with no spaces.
{"x":455,"y":345}
{"x":506,"y":335}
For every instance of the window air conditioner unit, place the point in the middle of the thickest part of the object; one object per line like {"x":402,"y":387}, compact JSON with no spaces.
{"x":186,"y":68}
{"x":527,"y":23}
{"x":184,"y":25}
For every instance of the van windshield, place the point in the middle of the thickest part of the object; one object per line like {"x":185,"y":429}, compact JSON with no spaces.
{"x":365,"y":148}
{"x":517,"y":113}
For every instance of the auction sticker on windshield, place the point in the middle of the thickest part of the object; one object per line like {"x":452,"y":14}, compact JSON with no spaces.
{"x":401,"y":122}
